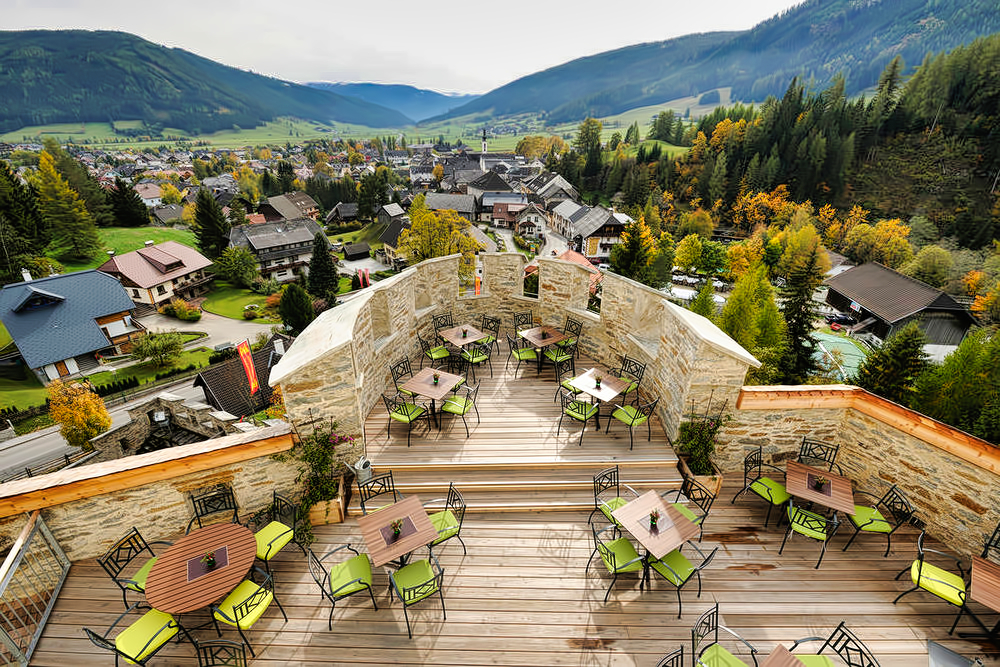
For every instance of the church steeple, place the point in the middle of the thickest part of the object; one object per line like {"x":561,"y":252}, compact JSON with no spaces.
{"x":484,"y":139}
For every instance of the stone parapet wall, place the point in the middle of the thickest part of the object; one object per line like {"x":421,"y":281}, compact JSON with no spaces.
{"x":952,"y":478}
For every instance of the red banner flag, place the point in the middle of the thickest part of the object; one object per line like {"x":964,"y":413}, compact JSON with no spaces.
{"x":246,"y":356}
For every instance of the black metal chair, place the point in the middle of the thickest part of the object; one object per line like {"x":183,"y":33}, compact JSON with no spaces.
{"x":221,"y":653}
{"x":608,"y":494}
{"x":677,"y":570}
{"x":765,"y":488}
{"x":673,"y":659}
{"x":573,"y":329}
{"x":876,"y":519}
{"x":378,"y":485}
{"x":812,"y":525}
{"x":442,"y":321}
{"x":521,"y":350}
{"x":141,"y":640}
{"x":618,"y":556}
{"x":128,"y":548}
{"x":634,"y":416}
{"x":695,"y":494}
{"x":416,"y":582}
{"x":460,"y":406}
{"x":845,"y":644}
{"x":631,"y":371}
{"x":220,"y":498}
{"x":565,"y":371}
{"x":491,"y":325}
{"x":448,"y":522}
{"x":523,"y":321}
{"x":476,"y":354}
{"x":991,"y":548}
{"x":434,"y":354}
{"x":341,"y":580}
{"x":819,"y":455}
{"x":581,"y":411}
{"x":275,"y":527}
{"x":245,"y":605}
{"x":401,"y":372}
{"x":705,"y":646}
{"x":405,"y":412}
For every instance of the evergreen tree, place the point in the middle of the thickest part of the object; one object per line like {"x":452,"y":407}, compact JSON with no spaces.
{"x":211,"y":228}
{"x":891,"y":370}
{"x":661,"y":267}
{"x":22,"y":229}
{"x":739,"y":314}
{"x":632,"y":255}
{"x":127,"y":206}
{"x":323,"y":277}
{"x":83,"y":183}
{"x":704,"y":301}
{"x":588,"y":144}
{"x":73,"y":230}
{"x":799,"y":309}
{"x":296,"y":309}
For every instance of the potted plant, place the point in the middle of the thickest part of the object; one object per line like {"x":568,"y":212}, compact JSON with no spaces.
{"x":465,"y":332}
{"x":696,"y":444}
{"x":819,"y":483}
{"x":597,"y":381}
{"x":209,"y":560}
{"x":654,"y":517}
{"x":437,"y":376}
{"x":397,"y":527}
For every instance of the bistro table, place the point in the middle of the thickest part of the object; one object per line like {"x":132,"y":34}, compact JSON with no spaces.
{"x":541,"y":337}
{"x":672,"y":529}
{"x":376,"y":530}
{"x":609,"y":389}
{"x":423,"y":384}
{"x":782,"y":657}
{"x":454,"y":335}
{"x":180,"y":582}
{"x":985,"y":589}
{"x":838,"y":494}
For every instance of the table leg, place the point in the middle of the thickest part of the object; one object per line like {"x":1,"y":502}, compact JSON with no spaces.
{"x":597,"y":415}
{"x":434,"y":416}
{"x":989,"y":635}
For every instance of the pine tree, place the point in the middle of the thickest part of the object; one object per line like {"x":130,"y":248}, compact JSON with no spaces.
{"x":211,"y":228}
{"x":323,"y":278}
{"x":73,"y":230}
{"x":296,"y":309}
{"x":704,"y":301}
{"x":127,"y":206}
{"x":891,"y":370}
{"x":799,"y":309}
{"x":83,"y":183}
{"x":632,"y":255}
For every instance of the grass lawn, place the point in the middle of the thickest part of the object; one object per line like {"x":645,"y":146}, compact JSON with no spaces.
{"x":229,"y":301}
{"x":22,"y":393}
{"x":146,"y":372}
{"x":370,"y":233}
{"x":344,"y":286}
{"x":5,"y":338}
{"x":127,"y":239}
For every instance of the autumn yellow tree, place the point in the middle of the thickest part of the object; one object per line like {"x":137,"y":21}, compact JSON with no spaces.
{"x":836,"y":231}
{"x":79,"y":411}
{"x":885,"y":242}
{"x":169,"y":194}
{"x":437,"y":234}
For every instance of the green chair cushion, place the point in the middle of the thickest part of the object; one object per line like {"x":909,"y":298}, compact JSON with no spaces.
{"x":407,"y":413}
{"x":358,"y":567}
{"x":413,"y":575}
{"x":445,"y":524}
{"x":458,"y":384}
{"x":474,"y":357}
{"x":808,"y":531}
{"x":624,"y":552}
{"x":131,"y":640}
{"x":942,"y":583}
{"x":633,"y":385}
{"x":716,"y":655}
{"x":457,"y":405}
{"x":564,"y":343}
{"x":869,"y":519}
{"x":557,"y":355}
{"x":238,"y":596}
{"x":580,"y":410}
{"x":525,"y":354}
{"x":629,"y":415}
{"x":405,"y":392}
{"x":139,"y":578}
{"x":272,"y":538}
{"x":489,"y":340}
{"x":770,"y":490}
{"x":674,"y":567}
{"x":688,"y":514}
{"x":439,"y":352}
{"x":568,"y":387}
{"x":607,"y":507}
{"x":815,"y":660}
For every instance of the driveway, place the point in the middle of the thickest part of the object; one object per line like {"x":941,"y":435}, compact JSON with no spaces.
{"x":219,"y":329}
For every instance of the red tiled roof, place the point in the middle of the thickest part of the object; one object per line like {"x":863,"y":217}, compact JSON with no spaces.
{"x":152,"y":266}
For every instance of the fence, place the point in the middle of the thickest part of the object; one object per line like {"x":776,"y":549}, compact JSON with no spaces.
{"x":30,"y":580}
{"x":57,"y":463}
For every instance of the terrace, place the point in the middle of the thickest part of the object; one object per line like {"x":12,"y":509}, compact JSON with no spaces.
{"x":522,"y":596}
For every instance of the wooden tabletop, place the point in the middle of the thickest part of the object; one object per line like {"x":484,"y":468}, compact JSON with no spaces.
{"x":382,"y":550}
{"x":423,"y":383}
{"x":838,"y":494}
{"x":672,"y":530}
{"x":454,"y":335}
{"x":986,"y":582}
{"x":534,"y":336}
{"x":168,"y":588}
{"x":781,"y":657}
{"x":610,"y":385}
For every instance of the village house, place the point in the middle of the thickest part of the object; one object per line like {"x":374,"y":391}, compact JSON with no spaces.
{"x":282,"y":248}
{"x":289,"y":206}
{"x":341,"y":213}
{"x":530,"y":221}
{"x":155,"y":274}
{"x":150,"y":194}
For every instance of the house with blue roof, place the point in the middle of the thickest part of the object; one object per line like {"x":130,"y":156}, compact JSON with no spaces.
{"x":61,"y":323}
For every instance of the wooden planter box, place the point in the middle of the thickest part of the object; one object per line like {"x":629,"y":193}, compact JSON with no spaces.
{"x":711,"y":482}
{"x":329,"y":511}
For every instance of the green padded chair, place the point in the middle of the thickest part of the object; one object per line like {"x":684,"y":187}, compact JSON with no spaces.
{"x":435,"y":354}
{"x":618,"y":556}
{"x":442,"y":321}
{"x":523,"y":321}
{"x":673,"y":659}
{"x":404,"y":412}
{"x":950,"y":587}
{"x":275,"y":527}
{"x":521,"y":350}
{"x":448,"y":522}
{"x":555,"y":354}
{"x":812,"y":525}
{"x":417,"y":582}
{"x":244,"y":606}
{"x":579,"y":410}
{"x":634,"y":416}
{"x":475,"y":355}
{"x":462,"y":405}
{"x":343,"y":579}
{"x":141,"y":639}
{"x":381,"y":484}
{"x":631,"y":371}
{"x":565,"y":372}
{"x":819,"y":454}
{"x":754,"y":481}
{"x":705,"y":646}
{"x":678,"y":570}
{"x":490,"y":325}
{"x":218,"y":499}
{"x":131,"y":547}
{"x":401,"y":372}
{"x":842,"y":642}
{"x":608,"y":494}
{"x":694,"y":494}
{"x":221,"y":653}
{"x":573,"y":329}
{"x":884,"y":517}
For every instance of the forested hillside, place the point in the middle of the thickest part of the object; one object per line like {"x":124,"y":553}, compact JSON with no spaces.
{"x":66,"y":76}
{"x":814,"y":41}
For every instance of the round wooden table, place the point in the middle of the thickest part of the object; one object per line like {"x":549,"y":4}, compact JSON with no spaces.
{"x":178,"y":582}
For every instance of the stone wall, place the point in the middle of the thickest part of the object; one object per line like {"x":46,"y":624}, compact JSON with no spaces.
{"x":952,"y":478}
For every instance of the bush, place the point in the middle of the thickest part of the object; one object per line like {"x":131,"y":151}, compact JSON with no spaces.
{"x":182,"y":310}
{"x":265,"y":286}
{"x":250,"y":314}
{"x":222,"y":355}
{"x":117,"y":386}
{"x":272,"y":301}
{"x":334,"y":230}
{"x":175,"y":371}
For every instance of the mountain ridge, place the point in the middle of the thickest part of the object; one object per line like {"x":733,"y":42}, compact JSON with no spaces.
{"x":413,"y":102}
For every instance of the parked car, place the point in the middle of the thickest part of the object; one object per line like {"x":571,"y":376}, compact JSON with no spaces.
{"x":840,"y":318}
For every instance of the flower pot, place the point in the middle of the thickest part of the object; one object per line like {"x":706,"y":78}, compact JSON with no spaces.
{"x":328,"y":511}
{"x":209,"y":564}
{"x":711,"y":482}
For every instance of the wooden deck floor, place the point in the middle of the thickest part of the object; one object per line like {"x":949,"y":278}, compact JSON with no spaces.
{"x":521,"y":597}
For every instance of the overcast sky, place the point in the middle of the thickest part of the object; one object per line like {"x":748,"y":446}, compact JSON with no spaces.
{"x":467,"y":47}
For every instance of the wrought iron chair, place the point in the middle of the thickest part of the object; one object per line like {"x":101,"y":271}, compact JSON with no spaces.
{"x":491,"y":325}
{"x":991,"y":548}
{"x":128,"y":548}
{"x":673,"y":659}
{"x":343,"y":579}
{"x":220,"y":498}
{"x":475,"y":355}
{"x":521,"y":350}
{"x":608,"y":494}
{"x":618,"y":556}
{"x":448,"y":522}
{"x":377,"y":485}
{"x":634,"y":416}
{"x":844,"y":643}
{"x":819,"y":455}
{"x":631,"y":371}
{"x":573,"y":329}
{"x":460,"y":406}
{"x":575,"y":409}
{"x":523,"y":321}
{"x":876,"y":519}
{"x":404,"y":412}
{"x":565,"y":372}
{"x":442,"y":321}
{"x":246,"y":604}
{"x":416,"y":582}
{"x":811,"y":525}
{"x":705,"y":646}
{"x":401,"y":372}
{"x":435,"y":354}
{"x":767,"y":489}
{"x":275,"y":527}
{"x":141,"y":639}
{"x":695,"y":494}
{"x":555,"y":354}
{"x":221,"y":653}
{"x":678,"y":570}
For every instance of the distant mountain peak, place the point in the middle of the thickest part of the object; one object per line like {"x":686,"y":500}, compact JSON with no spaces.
{"x":415,"y":103}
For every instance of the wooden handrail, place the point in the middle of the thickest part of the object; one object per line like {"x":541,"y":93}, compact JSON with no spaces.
{"x":15,"y":549}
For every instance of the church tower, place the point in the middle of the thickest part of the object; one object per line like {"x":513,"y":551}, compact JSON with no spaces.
{"x":484,"y":139}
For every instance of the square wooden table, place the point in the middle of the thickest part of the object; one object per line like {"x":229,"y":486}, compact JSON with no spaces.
{"x":985,"y":589}
{"x":454,"y":335}
{"x":541,"y":337}
{"x":782,"y":657}
{"x":672,"y":530}
{"x":422,"y":384}
{"x":609,"y":389}
{"x":381,"y":546}
{"x":838,"y":495}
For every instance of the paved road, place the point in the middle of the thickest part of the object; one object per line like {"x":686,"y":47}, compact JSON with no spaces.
{"x":219,"y":329}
